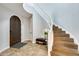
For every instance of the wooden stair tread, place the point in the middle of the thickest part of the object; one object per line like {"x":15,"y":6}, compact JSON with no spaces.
{"x":65,"y":50}
{"x":61,"y":35}
{"x":55,"y":26}
{"x":64,"y":39}
{"x":65,"y":42}
{"x":59,"y":31}
{"x":73,"y":46}
{"x":56,"y":53}
{"x":59,"y":53}
{"x":56,"y":29}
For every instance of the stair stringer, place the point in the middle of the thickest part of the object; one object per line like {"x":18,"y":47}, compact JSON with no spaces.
{"x":71,"y":36}
{"x":50,"y":40}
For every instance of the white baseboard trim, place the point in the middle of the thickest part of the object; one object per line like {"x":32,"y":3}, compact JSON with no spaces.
{"x":33,"y":42}
{"x":71,"y":36}
{"x":25,"y":40}
{"x":4,"y":49}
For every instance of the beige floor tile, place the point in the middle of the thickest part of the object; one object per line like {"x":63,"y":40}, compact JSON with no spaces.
{"x":29,"y":49}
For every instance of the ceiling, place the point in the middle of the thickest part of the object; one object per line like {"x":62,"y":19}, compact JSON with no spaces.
{"x":17,"y":8}
{"x":49,"y":8}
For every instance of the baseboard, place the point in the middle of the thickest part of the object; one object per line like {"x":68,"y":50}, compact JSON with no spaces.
{"x":26,"y":40}
{"x":72,"y":36}
{"x":4,"y":49}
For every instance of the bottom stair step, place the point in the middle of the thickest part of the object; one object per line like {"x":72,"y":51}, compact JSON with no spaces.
{"x":66,"y":44}
{"x":66,"y":51}
{"x":56,"y":53}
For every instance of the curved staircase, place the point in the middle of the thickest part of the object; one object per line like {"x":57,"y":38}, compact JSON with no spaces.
{"x":63,"y":44}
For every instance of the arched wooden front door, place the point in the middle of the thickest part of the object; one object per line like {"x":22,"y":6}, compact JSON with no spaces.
{"x":15,"y":30}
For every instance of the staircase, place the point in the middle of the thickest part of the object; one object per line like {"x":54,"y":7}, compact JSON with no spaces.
{"x":63,"y":44}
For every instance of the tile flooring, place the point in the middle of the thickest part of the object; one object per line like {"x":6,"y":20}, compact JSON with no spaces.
{"x":29,"y":49}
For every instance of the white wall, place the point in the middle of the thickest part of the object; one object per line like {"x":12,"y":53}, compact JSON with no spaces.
{"x":67,"y":16}
{"x":25,"y":29}
{"x":5,"y":15}
{"x":39,"y":24}
{"x":4,"y":28}
{"x":30,"y":28}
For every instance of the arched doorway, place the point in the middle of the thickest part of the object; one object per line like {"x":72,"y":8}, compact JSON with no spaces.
{"x":15,"y":30}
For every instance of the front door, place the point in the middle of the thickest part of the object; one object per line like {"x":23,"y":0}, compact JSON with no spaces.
{"x":15,"y":30}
